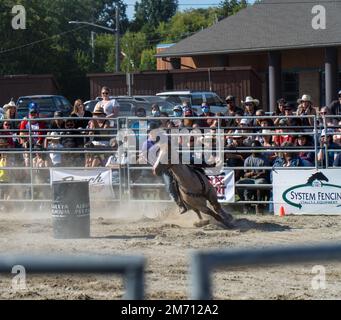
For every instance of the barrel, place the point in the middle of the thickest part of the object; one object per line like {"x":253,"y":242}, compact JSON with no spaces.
{"x":71,"y":209}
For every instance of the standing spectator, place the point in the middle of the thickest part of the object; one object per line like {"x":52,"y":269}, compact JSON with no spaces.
{"x":177,"y":113}
{"x":335,"y":106}
{"x":110,"y":106}
{"x":80,"y":112}
{"x":31,"y":127}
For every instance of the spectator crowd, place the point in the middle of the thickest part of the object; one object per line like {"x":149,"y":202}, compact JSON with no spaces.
{"x":252,"y":137}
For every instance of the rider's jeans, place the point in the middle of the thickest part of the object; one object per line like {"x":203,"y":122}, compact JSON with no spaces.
{"x":170,"y":186}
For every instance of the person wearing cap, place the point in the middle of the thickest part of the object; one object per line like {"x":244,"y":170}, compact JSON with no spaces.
{"x":335,"y":106}
{"x":305,"y":142}
{"x":232,"y":108}
{"x":206,"y":123}
{"x":306,"y":108}
{"x":326,"y":141}
{"x":80,"y":112}
{"x":254,"y":176}
{"x":33,"y":127}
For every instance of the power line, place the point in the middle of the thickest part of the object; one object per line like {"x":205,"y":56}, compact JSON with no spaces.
{"x":40,"y":41}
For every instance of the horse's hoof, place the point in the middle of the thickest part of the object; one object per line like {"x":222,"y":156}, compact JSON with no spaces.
{"x":201,"y":223}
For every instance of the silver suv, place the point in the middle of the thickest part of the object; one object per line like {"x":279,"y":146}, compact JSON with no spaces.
{"x":195,"y":99}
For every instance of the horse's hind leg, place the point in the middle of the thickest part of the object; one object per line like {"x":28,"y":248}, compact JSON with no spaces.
{"x":212,"y":198}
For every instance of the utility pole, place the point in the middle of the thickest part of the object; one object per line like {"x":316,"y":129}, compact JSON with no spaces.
{"x":93,"y":46}
{"x":118,"y":69}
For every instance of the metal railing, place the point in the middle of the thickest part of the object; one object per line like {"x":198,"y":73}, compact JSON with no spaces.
{"x":127,"y":185}
{"x":204,"y":263}
{"x":130,"y":267}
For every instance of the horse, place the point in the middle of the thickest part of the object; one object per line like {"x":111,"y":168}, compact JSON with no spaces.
{"x":195,"y":190}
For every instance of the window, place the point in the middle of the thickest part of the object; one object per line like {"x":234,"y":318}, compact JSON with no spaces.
{"x":290,"y":87}
{"x":197,"y":99}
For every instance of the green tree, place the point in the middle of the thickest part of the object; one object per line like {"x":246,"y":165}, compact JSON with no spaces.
{"x":231,"y":7}
{"x":132,"y":45}
{"x":149,"y":13}
{"x":148,"y":60}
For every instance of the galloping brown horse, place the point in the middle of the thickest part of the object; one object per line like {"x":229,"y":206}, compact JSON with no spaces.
{"x":195,"y":190}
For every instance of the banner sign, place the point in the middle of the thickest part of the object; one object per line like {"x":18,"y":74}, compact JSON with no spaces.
{"x":307,"y":191}
{"x":100,"y":181}
{"x":224,"y":184}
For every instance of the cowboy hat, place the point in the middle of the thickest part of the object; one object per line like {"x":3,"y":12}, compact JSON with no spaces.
{"x":9,"y":105}
{"x":54,"y":136}
{"x":249,"y":99}
{"x":98,"y":110}
{"x":305,"y":97}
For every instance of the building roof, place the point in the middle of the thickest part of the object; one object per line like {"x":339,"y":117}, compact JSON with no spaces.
{"x":268,"y":25}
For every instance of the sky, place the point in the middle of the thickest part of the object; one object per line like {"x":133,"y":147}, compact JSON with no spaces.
{"x":183,"y":5}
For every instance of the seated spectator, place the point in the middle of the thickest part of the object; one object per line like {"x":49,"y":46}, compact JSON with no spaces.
{"x":324,"y":120}
{"x":289,"y":113}
{"x":279,"y":110}
{"x":70,"y":140}
{"x":54,"y":144}
{"x":306,"y":108}
{"x":80,"y":112}
{"x":326,"y":141}
{"x":281,"y":138}
{"x":250,"y":105}
{"x":58,"y":124}
{"x":244,"y":127}
{"x":206,"y":123}
{"x":117,"y":158}
{"x":304,"y":141}
{"x":177,"y":113}
{"x":337,"y":161}
{"x":98,"y":124}
{"x":165,"y":123}
{"x":337,"y":136}
{"x":335,"y":106}
{"x":292,"y":159}
{"x":92,"y":159}
{"x":10,"y":112}
{"x":232,"y":108}
{"x":254,"y":176}
{"x":234,"y":158}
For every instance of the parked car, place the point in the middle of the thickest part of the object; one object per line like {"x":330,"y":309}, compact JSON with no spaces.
{"x":48,"y":104}
{"x":129,"y":104}
{"x":195,"y":99}
{"x":164,"y":105}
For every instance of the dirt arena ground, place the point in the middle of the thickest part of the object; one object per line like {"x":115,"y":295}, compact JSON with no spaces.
{"x":166,"y":241}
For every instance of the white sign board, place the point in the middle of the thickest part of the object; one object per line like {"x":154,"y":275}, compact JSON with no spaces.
{"x":224,"y":184}
{"x":307,"y":191}
{"x":100,"y":181}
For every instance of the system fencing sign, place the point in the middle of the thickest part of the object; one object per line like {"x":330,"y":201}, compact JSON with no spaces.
{"x":307,"y":191}
{"x":100,"y":181}
{"x":224,"y":185}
